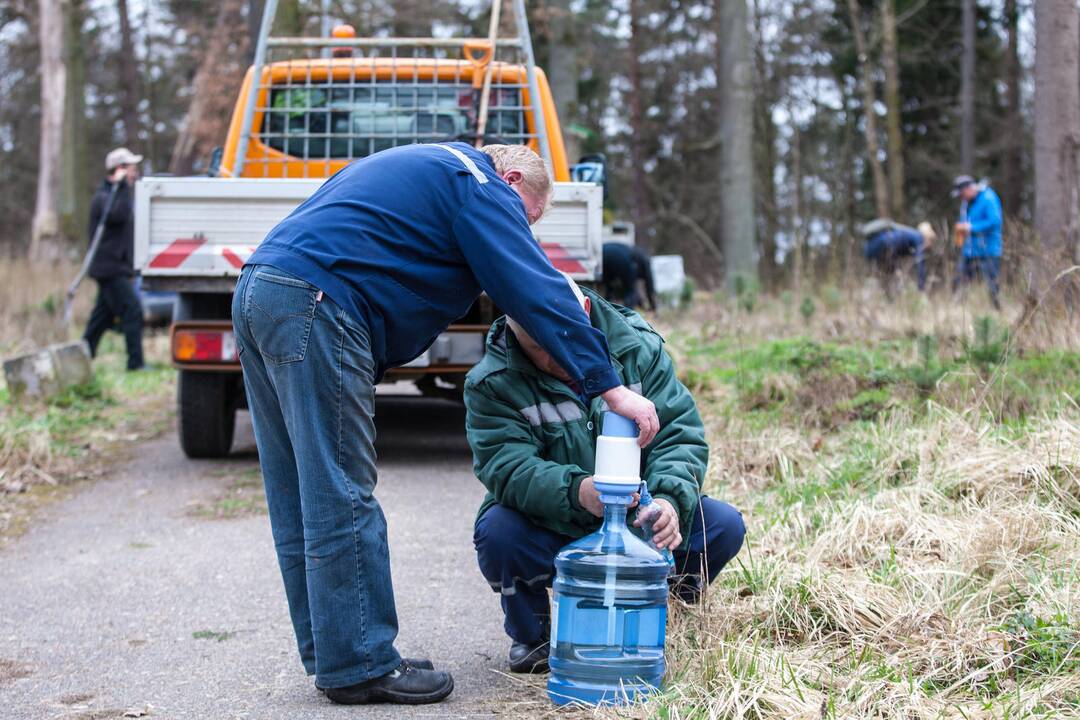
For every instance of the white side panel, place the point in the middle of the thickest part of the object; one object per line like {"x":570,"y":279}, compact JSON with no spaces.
{"x":571,"y":232}
{"x":203,"y":227}
{"x":208,"y":227}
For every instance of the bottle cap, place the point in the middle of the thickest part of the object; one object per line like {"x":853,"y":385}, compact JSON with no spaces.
{"x":644,"y":497}
{"x":616,"y":425}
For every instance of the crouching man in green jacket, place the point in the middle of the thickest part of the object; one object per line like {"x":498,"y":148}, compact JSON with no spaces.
{"x":533,"y":444}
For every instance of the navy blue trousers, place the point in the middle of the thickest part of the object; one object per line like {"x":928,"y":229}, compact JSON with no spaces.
{"x":517,"y":557}
{"x":971,"y":268}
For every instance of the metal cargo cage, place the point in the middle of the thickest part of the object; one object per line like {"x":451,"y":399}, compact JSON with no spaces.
{"x":312,"y":105}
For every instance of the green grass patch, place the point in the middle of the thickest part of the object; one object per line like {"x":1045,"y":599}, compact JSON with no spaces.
{"x":218,"y":635}
{"x":829,"y":384}
{"x":242,"y":496}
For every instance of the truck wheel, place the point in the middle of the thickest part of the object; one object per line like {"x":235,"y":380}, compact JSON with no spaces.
{"x":207,"y":413}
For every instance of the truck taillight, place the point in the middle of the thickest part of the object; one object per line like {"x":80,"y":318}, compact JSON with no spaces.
{"x":205,"y":346}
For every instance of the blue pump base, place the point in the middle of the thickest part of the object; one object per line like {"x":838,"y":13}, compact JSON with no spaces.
{"x":567,"y":692}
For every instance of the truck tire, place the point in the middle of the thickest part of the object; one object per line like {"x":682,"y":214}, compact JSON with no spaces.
{"x":207,"y":413}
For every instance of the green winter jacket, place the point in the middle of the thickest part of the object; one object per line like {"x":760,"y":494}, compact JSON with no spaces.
{"x":533,"y":441}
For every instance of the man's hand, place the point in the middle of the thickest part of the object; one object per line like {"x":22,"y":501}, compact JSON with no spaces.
{"x":666,"y":525}
{"x":119,"y":173}
{"x":624,"y":401}
{"x":589,"y":498}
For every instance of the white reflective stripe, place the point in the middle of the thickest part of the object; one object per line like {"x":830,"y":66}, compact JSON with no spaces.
{"x":467,"y":162}
{"x":565,"y":411}
{"x":532,"y":414}
{"x":511,"y":589}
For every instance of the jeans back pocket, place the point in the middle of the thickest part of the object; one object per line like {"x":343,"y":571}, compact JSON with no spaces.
{"x":280,"y":312}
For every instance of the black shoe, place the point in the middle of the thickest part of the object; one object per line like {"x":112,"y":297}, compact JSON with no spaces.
{"x":418,"y":663}
{"x":406,"y":685}
{"x":529,"y":659}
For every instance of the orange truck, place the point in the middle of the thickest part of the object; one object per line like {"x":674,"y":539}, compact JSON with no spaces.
{"x":308,"y":107}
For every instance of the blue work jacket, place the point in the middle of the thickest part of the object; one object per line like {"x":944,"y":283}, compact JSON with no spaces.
{"x":405,"y":240}
{"x":984,"y":214}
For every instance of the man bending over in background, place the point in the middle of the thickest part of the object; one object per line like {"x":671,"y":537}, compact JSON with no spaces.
{"x":888,"y":243}
{"x":533,"y":443}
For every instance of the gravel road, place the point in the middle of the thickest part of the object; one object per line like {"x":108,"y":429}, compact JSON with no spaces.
{"x":121,"y":599}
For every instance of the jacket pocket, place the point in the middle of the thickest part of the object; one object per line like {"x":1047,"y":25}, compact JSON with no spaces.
{"x":280,"y":313}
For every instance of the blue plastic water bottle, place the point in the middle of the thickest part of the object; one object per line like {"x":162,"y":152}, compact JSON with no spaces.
{"x":609,"y":606}
{"x":647,"y":512}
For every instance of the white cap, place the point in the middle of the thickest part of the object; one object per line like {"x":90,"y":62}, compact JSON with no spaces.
{"x":121,"y":156}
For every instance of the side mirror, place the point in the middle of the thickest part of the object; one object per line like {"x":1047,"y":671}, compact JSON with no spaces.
{"x":213,"y":168}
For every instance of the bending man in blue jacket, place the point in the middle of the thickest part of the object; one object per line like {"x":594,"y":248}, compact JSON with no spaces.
{"x":361,"y":277}
{"x":980,"y":221}
{"x":888,"y":242}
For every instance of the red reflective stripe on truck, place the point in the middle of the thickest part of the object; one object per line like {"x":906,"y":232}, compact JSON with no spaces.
{"x":561,"y":259}
{"x":235,"y":260}
{"x":178,"y":251}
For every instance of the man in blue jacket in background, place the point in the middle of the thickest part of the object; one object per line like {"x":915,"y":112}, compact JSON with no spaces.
{"x":980,"y":225}
{"x":363,"y":276}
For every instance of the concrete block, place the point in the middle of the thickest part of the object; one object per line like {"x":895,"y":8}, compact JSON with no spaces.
{"x":46,"y":372}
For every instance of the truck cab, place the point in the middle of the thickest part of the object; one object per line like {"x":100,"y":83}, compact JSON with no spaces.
{"x":298,"y":120}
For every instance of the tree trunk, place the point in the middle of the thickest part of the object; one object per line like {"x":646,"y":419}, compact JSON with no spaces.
{"x":881,"y":202}
{"x":75,"y":187}
{"x":893,"y":120}
{"x":220,"y":71}
{"x":562,"y":70}
{"x":1057,"y":136}
{"x":152,"y":144}
{"x":765,"y":176}
{"x":847,"y":157}
{"x":642,"y":212}
{"x":736,"y":102}
{"x":45,"y":228}
{"x":1013,"y":195}
{"x":796,"y":205}
{"x":129,"y":79}
{"x":967,"y":90}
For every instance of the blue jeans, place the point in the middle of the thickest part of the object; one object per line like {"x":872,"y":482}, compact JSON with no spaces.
{"x":517,"y":558}
{"x":308,"y":373}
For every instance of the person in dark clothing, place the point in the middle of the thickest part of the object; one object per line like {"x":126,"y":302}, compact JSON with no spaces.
{"x":113,"y":265}
{"x":624,"y":265}
{"x":887,"y":243}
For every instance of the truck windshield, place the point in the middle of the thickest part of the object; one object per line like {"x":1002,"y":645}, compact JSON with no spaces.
{"x":329,"y":122}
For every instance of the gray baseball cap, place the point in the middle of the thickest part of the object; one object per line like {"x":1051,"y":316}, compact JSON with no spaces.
{"x":121,"y":156}
{"x":961,"y":182}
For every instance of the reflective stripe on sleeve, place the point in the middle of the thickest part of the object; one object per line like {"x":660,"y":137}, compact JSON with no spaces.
{"x":467,"y":162}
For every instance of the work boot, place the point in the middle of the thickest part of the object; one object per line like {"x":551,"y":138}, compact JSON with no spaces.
{"x":405,"y":685}
{"x":528,"y":658}
{"x":418,"y":663}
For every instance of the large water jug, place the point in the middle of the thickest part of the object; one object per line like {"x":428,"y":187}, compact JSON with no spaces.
{"x":609,"y":607}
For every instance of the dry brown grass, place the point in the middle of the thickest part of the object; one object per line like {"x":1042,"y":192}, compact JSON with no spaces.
{"x":922,"y":565}
{"x":32,"y":304}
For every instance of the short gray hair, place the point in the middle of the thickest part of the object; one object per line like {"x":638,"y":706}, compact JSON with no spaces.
{"x":534,"y":171}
